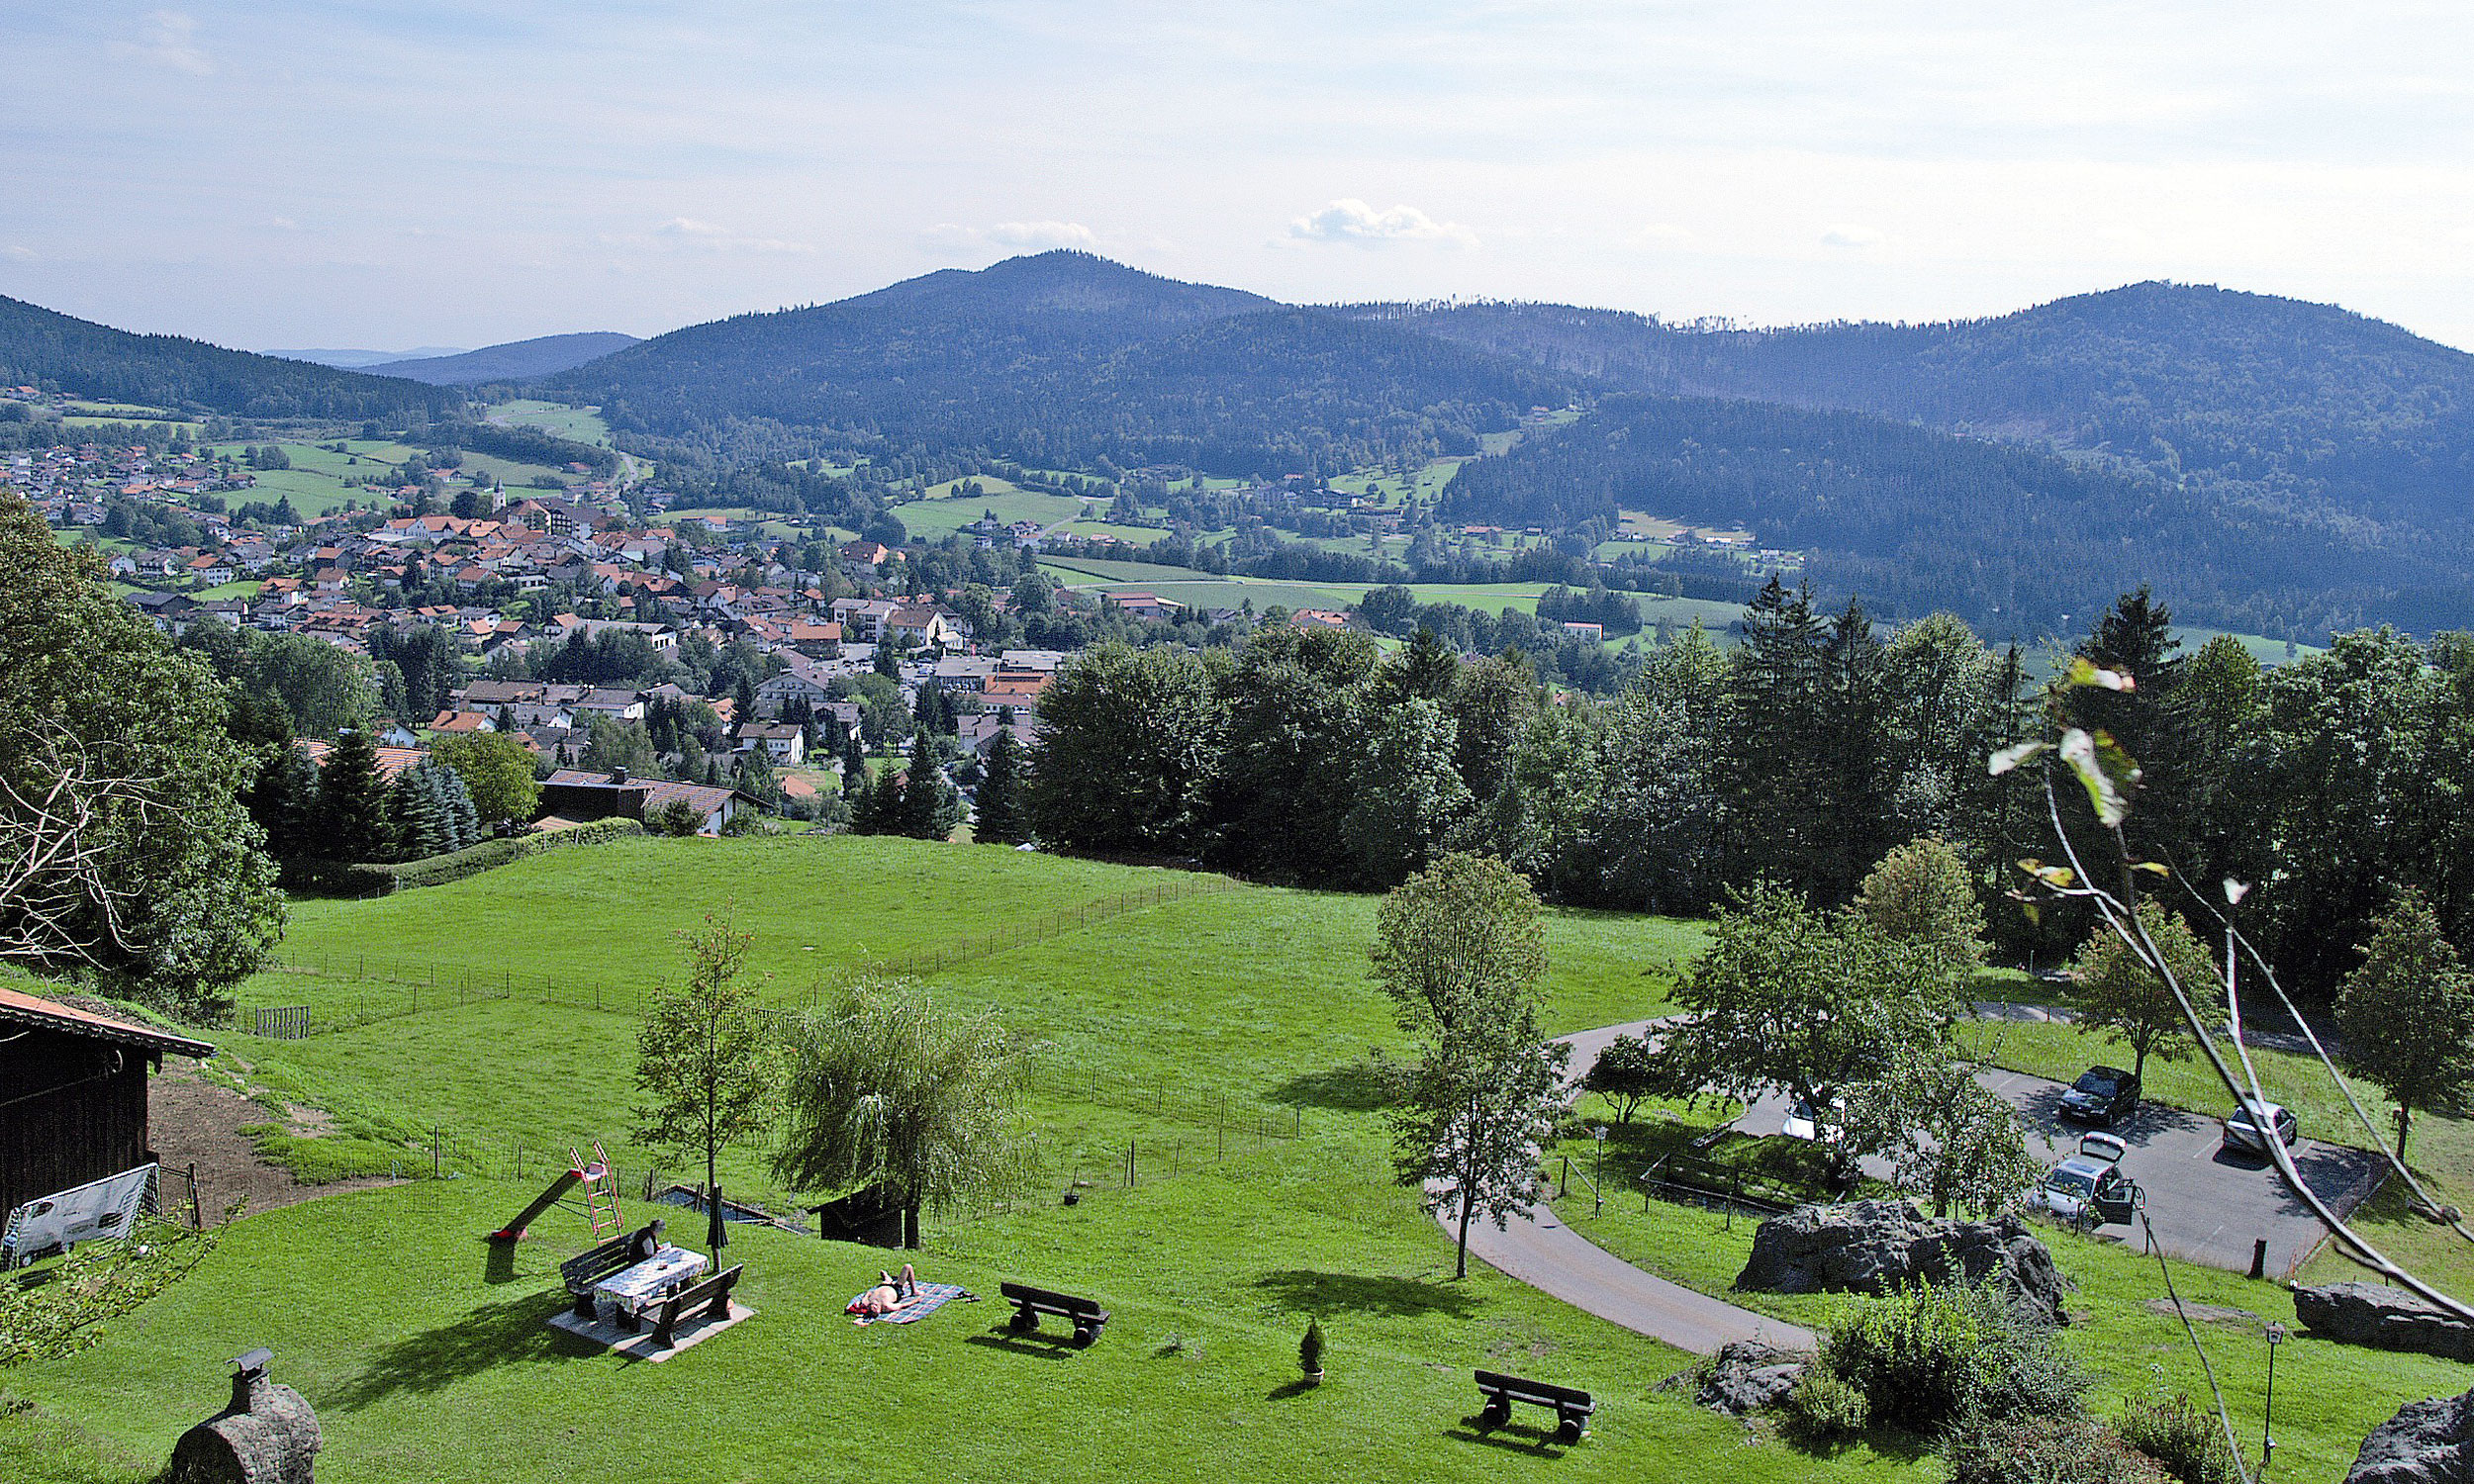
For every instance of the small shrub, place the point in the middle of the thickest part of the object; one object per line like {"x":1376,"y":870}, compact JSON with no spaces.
{"x":677,"y":817}
{"x":1310,"y":1348}
{"x":1824,"y":1408}
{"x":2184,"y":1437}
{"x":2071,"y":1448}
{"x":1928,"y":1354}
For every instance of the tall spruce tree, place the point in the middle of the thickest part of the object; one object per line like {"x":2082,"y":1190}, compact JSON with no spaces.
{"x":1771,"y":755}
{"x":998,"y":819}
{"x":928,"y":809}
{"x":353,"y":816}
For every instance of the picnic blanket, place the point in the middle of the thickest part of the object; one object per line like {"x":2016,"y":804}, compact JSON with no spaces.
{"x":932,"y":1297}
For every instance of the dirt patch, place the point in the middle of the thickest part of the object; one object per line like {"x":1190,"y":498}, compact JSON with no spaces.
{"x":192,"y":1120}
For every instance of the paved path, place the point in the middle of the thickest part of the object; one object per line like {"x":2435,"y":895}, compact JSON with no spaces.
{"x":1556,"y":1261}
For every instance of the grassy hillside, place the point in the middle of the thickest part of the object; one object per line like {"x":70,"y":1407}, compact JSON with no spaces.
{"x":1223,"y":1037}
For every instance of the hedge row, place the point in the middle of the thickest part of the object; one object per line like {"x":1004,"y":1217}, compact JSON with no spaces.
{"x":371,"y":878}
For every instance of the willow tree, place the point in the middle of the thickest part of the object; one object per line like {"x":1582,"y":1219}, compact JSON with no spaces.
{"x":885,"y":1089}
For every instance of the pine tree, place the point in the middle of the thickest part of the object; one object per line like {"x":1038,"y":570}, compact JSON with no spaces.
{"x":353,"y":802}
{"x":1770,"y":751}
{"x":998,"y":821}
{"x":463,"y":819}
{"x":419,"y":813}
{"x":925,"y":808}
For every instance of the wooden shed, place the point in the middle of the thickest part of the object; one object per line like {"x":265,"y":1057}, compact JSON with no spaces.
{"x":72,"y":1094}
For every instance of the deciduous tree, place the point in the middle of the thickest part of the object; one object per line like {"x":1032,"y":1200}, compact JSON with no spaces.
{"x":2123,"y":999}
{"x":1460,"y":951}
{"x":889,"y":1091}
{"x":706,"y":1061}
{"x":2405,"y":1018}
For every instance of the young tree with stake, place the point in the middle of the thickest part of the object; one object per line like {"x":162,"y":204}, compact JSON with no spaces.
{"x":705,"y":1058}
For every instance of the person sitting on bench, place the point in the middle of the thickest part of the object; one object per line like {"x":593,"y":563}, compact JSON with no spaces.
{"x":887,"y":1296}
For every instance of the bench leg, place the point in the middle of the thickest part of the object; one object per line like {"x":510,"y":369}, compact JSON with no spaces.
{"x":1084,"y":1335}
{"x":1568,"y":1428}
{"x":1497,"y":1413}
{"x":1023,"y":1319}
{"x":584,"y":1308}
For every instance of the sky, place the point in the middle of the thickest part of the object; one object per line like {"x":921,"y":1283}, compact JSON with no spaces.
{"x":399,"y":173}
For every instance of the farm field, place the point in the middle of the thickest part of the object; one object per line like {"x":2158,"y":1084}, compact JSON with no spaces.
{"x":583,"y":425}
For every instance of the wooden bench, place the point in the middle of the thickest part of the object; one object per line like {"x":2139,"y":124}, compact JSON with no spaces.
{"x":1501,"y":1391}
{"x":1030,"y":1303}
{"x":586,"y":1270}
{"x":713,"y":1293}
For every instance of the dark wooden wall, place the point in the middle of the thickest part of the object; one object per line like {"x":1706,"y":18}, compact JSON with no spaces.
{"x":72,"y":1110}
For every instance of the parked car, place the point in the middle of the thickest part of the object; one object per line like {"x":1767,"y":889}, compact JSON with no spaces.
{"x":2242,"y":1126}
{"x":1802,"y":1122}
{"x":2103,"y":1096}
{"x":2091,"y":1178}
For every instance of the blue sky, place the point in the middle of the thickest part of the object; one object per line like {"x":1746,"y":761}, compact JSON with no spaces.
{"x":393,"y":174}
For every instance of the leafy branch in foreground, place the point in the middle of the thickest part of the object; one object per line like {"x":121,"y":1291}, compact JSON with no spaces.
{"x":46,"y":1314}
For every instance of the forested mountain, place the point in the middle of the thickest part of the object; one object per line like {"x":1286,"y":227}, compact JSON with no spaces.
{"x":517,"y":360}
{"x":2281,"y":405}
{"x":41,"y":347}
{"x":2011,"y":538}
{"x":1068,"y":359}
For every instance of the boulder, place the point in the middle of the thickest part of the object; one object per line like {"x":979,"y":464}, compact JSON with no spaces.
{"x":1876,"y":1247}
{"x":2425,"y":1442}
{"x":2384,"y":1318}
{"x":1746,"y":1376}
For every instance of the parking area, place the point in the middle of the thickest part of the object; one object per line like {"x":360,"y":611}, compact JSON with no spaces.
{"x":2205,"y":1205}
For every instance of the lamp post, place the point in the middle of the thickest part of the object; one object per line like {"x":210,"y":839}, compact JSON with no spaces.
{"x":1598,"y":1168}
{"x":2267,"y":1419}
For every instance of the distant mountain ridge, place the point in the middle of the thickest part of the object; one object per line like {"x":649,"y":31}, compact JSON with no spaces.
{"x":348,"y":359}
{"x":2301,"y":408}
{"x":1066,"y":357}
{"x":515,"y":360}
{"x":45,"y":347}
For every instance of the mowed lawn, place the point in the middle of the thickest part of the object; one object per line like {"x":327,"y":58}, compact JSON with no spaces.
{"x":1223,"y":1038}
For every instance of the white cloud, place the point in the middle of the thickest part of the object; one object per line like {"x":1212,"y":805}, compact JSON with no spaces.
{"x":707,"y":236}
{"x":1847,"y":235}
{"x":283,"y":223}
{"x":169,"y":40}
{"x":1352,"y":221}
{"x":16,"y":253}
{"x":1658,"y":235}
{"x":1038,"y":235}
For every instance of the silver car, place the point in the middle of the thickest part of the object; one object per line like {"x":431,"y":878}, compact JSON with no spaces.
{"x":2243,"y":1128}
{"x":2078,"y":1182}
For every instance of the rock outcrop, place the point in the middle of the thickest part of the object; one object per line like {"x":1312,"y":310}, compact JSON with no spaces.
{"x":2384,"y":1318}
{"x":2425,"y":1442}
{"x":1876,"y":1247}
{"x":1746,"y":1376}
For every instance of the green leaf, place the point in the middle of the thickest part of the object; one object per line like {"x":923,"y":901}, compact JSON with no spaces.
{"x":2084,"y":672}
{"x":2107,"y":773}
{"x":2012,"y":755}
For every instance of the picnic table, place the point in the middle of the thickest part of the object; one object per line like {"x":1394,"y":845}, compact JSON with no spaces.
{"x":642,"y":1285}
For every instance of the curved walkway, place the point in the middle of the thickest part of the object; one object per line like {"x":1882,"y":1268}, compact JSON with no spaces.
{"x":1551,"y":1257}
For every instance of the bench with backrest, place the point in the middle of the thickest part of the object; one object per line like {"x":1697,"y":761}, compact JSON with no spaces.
{"x":712,"y":1294}
{"x":1570,"y":1405}
{"x":1030,"y":1303}
{"x":588,"y":1268}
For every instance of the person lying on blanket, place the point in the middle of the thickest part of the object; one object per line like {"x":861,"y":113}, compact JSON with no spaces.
{"x":887,"y":1296}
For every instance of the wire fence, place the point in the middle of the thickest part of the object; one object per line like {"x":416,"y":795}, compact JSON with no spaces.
{"x":359,"y":989}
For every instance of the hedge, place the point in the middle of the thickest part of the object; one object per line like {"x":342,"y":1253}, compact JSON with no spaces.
{"x":372,"y":878}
